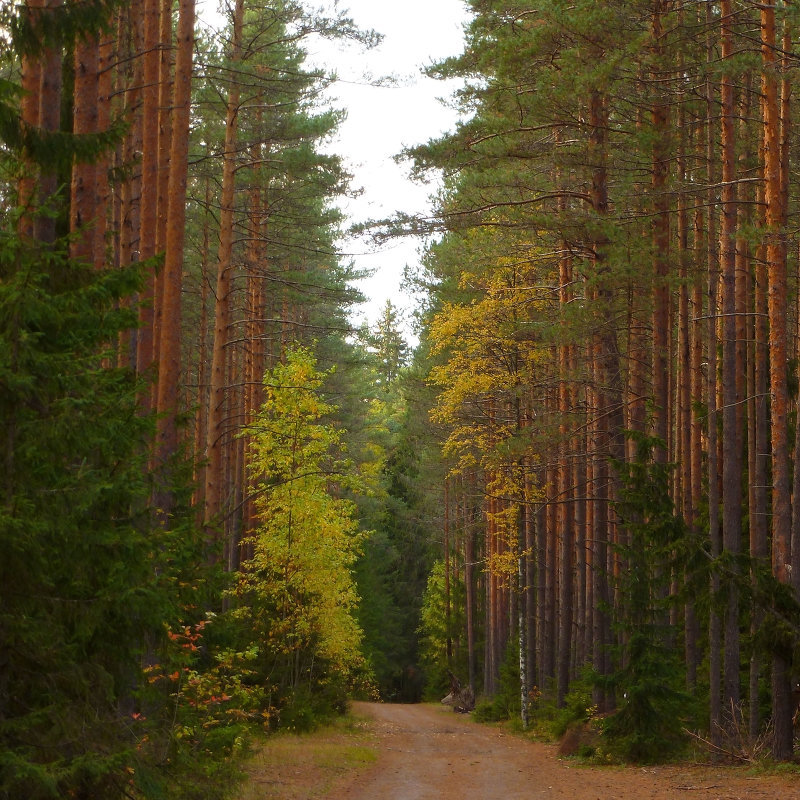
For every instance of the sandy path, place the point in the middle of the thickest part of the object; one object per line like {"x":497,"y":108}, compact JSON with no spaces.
{"x":426,"y":753}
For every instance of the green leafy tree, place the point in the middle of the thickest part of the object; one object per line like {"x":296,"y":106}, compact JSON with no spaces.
{"x":297,"y":592}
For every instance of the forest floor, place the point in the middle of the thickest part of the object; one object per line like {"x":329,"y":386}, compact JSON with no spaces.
{"x":422,"y":752}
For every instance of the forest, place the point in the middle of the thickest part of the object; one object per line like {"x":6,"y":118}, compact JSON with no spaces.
{"x":227,"y":509}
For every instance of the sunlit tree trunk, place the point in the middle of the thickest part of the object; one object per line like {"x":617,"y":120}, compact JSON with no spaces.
{"x":778,"y":350}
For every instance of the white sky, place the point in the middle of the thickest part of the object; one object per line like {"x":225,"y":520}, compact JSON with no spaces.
{"x":382,"y":120}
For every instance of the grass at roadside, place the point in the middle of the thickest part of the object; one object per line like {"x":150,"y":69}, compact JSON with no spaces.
{"x":306,"y":766}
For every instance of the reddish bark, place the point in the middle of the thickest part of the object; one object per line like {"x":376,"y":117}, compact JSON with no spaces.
{"x":148,"y":215}
{"x":778,"y":340}
{"x":219,"y":429}
{"x":83,"y":197}
{"x":169,"y":343}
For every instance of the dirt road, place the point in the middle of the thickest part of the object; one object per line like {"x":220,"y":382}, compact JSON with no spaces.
{"x":427,"y":753}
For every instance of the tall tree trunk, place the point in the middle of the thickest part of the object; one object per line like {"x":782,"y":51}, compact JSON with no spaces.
{"x":530,"y":577}
{"x":218,"y":426}
{"x":83,"y":196}
{"x":469,"y":583}
{"x":201,"y":420}
{"x":540,"y":522}
{"x":731,"y":432}
{"x":49,"y":95}
{"x":169,"y":355}
{"x":29,"y":111}
{"x":697,"y":391}
{"x":564,"y":498}
{"x":611,"y":444}
{"x":778,"y":340}
{"x":758,"y":449}
{"x":105,"y":59}
{"x":255,"y":325}
{"x":166,"y":91}
{"x":549,"y":642}
{"x":148,"y":213}
{"x":448,"y":624}
{"x":715,"y":625}
{"x":743,"y":294}
{"x":661,"y":245}
{"x":522,"y":620}
{"x":684,"y":381}
{"x":129,"y":85}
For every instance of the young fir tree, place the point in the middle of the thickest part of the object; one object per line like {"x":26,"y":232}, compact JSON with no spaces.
{"x":649,"y":683}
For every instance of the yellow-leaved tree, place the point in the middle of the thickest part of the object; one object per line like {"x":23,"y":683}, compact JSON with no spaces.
{"x":296,"y":592}
{"x":490,"y":352}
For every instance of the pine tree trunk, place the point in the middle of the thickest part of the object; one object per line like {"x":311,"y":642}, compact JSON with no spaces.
{"x":715,"y":626}
{"x":169,"y":355}
{"x":49,"y":96}
{"x":106,"y":57}
{"x":564,"y":499}
{"x":490,"y":623}
{"x":778,"y":341}
{"x":469,"y":585}
{"x":549,"y":642}
{"x":731,"y":432}
{"x":758,"y":449}
{"x":661,"y":252}
{"x":129,"y":87}
{"x":201,"y":420}
{"x":447,"y":600}
{"x":540,"y":523}
{"x":166,"y":91}
{"x":608,"y":394}
{"x":255,"y":361}
{"x":148,"y":215}
{"x":29,"y":111}
{"x":218,"y":426}
{"x":522,"y":619}
{"x":83,"y":208}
